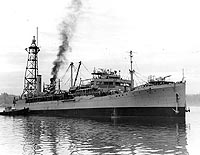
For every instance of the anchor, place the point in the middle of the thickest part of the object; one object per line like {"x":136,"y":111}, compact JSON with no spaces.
{"x":176,"y":111}
{"x":177,"y":100}
{"x":187,"y":110}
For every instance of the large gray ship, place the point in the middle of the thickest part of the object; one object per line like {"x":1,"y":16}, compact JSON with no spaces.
{"x":106,"y":94}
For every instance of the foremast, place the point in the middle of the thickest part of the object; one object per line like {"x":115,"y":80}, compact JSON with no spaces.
{"x":32,"y":81}
{"x":131,"y":70}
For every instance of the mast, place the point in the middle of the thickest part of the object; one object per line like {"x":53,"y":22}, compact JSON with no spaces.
{"x":183,"y":78}
{"x":31,"y":73}
{"x":59,"y":85}
{"x":77,"y":73}
{"x":72,"y":64}
{"x":131,"y":70}
{"x":37,"y":36}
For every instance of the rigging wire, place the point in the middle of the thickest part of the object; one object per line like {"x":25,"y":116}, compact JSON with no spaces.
{"x":82,"y":75}
{"x":140,"y":79}
{"x":67,"y":81}
{"x":74,"y":71}
{"x":139,"y":76}
{"x":85,"y":67}
{"x":135,"y":64}
{"x":144,"y":77}
{"x":65,"y":72}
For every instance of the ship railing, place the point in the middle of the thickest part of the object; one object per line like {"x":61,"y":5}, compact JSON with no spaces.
{"x":53,"y":97}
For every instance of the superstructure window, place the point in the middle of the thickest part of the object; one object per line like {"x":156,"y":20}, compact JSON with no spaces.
{"x":108,"y":83}
{"x":117,"y":83}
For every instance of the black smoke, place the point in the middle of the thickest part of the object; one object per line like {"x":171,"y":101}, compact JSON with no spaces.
{"x":66,"y":30}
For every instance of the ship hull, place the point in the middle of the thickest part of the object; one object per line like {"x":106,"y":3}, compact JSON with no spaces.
{"x":109,"y":112}
{"x":163,"y":100}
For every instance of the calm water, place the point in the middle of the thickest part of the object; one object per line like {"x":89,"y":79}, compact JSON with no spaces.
{"x":54,"y":135}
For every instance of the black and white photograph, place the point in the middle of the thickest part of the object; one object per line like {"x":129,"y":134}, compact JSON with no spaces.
{"x":99,"y":77}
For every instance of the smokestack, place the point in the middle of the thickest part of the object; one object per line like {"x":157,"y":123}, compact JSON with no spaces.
{"x":66,"y":30}
{"x":39,"y":83}
{"x":52,"y":87}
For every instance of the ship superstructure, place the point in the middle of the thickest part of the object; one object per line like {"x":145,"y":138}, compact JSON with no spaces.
{"x":106,"y":94}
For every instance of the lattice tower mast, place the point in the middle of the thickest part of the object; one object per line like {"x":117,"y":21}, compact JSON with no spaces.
{"x":31,"y":73}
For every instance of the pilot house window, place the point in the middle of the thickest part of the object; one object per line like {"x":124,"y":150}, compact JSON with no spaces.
{"x":108,"y":83}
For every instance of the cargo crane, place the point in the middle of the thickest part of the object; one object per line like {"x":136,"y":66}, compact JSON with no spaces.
{"x":73,"y":87}
{"x":77,"y":73}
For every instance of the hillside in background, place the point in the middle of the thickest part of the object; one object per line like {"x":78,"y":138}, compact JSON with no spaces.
{"x":6,"y":99}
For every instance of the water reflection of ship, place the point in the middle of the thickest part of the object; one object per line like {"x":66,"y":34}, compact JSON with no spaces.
{"x":140,"y":135}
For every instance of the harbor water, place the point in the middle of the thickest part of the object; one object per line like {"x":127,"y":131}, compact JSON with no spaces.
{"x":35,"y":135}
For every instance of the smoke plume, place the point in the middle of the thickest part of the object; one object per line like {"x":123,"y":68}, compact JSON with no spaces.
{"x":66,"y":30}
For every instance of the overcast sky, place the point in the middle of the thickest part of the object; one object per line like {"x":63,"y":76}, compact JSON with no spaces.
{"x":164,"y":34}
